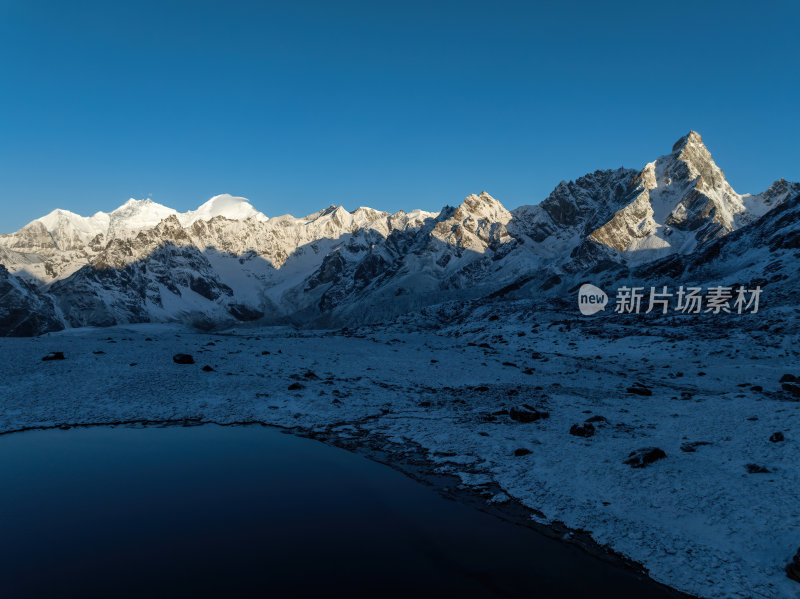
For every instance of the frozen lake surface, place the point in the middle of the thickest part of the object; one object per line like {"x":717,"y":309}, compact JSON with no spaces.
{"x":249,"y":511}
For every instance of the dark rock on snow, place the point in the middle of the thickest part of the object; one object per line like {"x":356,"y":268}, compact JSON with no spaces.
{"x":183,"y":359}
{"x":692,"y":447}
{"x":793,"y":568}
{"x":597,"y":419}
{"x":526,"y":413}
{"x":791,"y":389}
{"x":639,"y":389}
{"x":644,"y":456}
{"x":584,"y":430}
{"x":756,"y":469}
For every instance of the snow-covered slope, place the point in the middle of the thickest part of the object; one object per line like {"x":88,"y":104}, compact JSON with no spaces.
{"x":69,"y":231}
{"x":764,"y":253}
{"x":227,"y":261}
{"x":447,"y":390}
{"x":225,"y":205}
{"x":675,"y":204}
{"x":134,"y":216}
{"x":759,"y":204}
{"x":24,"y":311}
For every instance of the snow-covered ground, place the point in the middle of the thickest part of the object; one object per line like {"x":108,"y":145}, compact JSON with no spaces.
{"x":696,"y":520}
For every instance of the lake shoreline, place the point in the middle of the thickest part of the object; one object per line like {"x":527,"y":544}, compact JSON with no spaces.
{"x":411,"y":460}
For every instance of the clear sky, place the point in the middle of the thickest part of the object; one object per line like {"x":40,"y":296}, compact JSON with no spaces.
{"x":298,"y":105}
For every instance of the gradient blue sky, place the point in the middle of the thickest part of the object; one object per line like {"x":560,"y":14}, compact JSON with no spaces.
{"x":297,"y":105}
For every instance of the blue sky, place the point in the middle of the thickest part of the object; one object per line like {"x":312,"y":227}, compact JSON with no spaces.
{"x":297,"y":105}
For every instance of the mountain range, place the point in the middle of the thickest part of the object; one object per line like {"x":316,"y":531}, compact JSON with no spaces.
{"x":675,"y":220}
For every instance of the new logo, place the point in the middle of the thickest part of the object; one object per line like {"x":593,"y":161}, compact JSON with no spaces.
{"x":591,"y":299}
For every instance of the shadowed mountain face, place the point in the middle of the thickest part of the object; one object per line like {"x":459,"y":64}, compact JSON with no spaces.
{"x":24,"y":311}
{"x":226,"y":262}
{"x":763,"y":253}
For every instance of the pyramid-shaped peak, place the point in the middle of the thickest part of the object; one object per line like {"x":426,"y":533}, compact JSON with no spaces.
{"x":481,"y":206}
{"x":695,"y":156}
{"x":483,"y":198}
{"x":691,"y":138}
{"x":324,"y":212}
{"x":134,"y":205}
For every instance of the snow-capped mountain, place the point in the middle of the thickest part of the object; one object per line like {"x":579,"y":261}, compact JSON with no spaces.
{"x":675,"y":204}
{"x":227,"y":262}
{"x":134,"y":216}
{"x":227,"y":206}
{"x":761,"y":253}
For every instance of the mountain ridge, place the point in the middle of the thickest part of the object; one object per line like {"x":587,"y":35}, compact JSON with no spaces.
{"x":226,"y":261}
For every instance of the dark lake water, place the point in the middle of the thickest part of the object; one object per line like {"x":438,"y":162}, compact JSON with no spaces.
{"x":216,"y":511}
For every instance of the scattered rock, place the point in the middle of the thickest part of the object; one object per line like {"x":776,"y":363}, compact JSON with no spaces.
{"x":644,"y":456}
{"x":56,"y":355}
{"x":311,"y":376}
{"x":788,"y":378}
{"x":692,"y":447}
{"x":776,"y":437}
{"x":526,"y":413}
{"x":183,"y":359}
{"x":757,"y":388}
{"x":597,"y":419}
{"x":639,"y":389}
{"x":207,"y":368}
{"x":756,"y":469}
{"x":500,"y":498}
{"x":793,"y":568}
{"x":585,"y":430}
{"x":521,"y":452}
{"x":296,"y":387}
{"x":791,"y":389}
